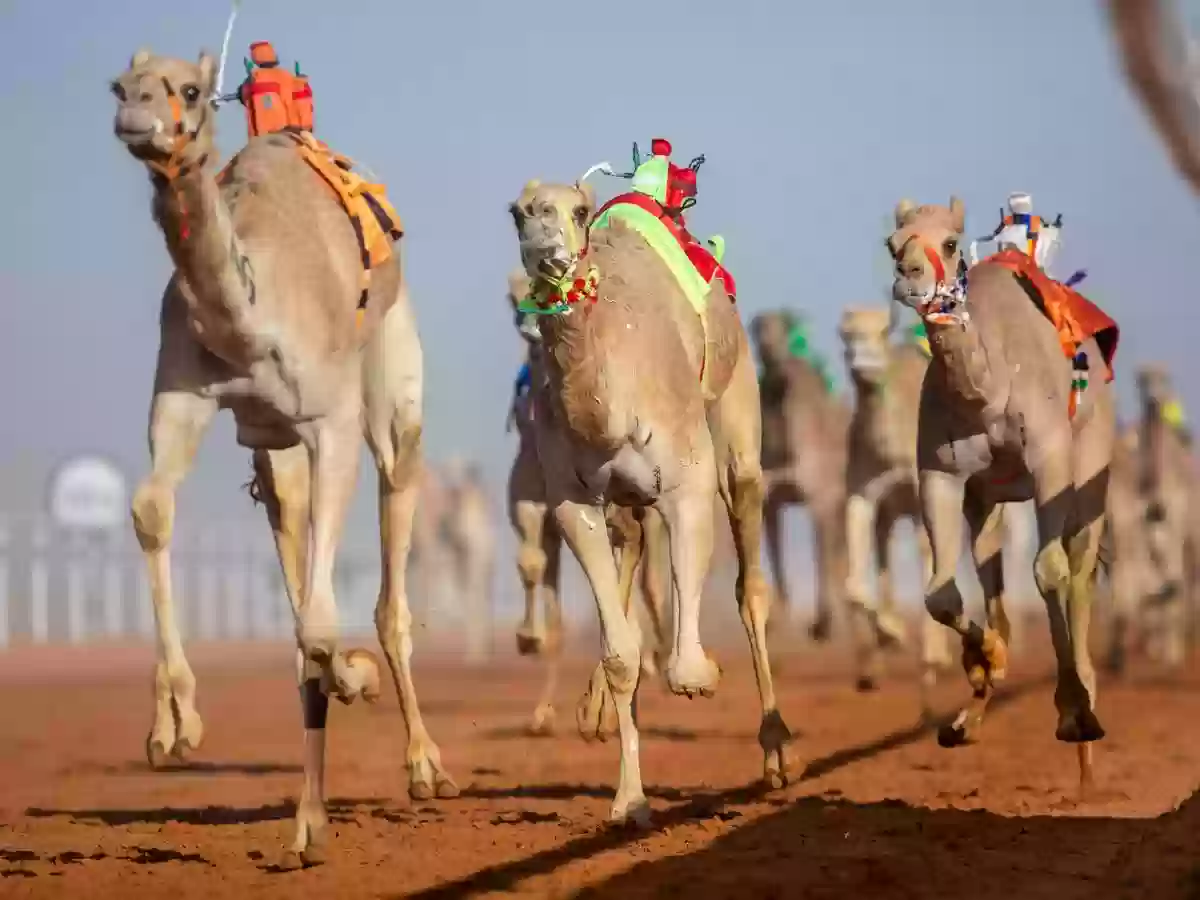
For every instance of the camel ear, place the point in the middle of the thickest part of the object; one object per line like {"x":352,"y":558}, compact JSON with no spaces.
{"x":589,"y":194}
{"x":959,"y":213}
{"x":903,"y":209}
{"x":531,"y":185}
{"x":140,"y":58}
{"x":208,"y":71}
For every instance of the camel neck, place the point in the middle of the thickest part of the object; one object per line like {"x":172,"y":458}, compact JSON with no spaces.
{"x":215,"y":274}
{"x":961,"y":362}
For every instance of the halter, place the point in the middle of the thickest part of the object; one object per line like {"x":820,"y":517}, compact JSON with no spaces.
{"x":944,"y":303}
{"x":174,"y":168}
{"x":558,"y":296}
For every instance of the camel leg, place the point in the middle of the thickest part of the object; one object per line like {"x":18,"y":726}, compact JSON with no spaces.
{"x":942,"y":507}
{"x":935,"y":638}
{"x":1083,"y":727}
{"x":687,"y":512}
{"x":530,"y":519}
{"x":863,"y":517}
{"x":1166,"y":541}
{"x":583,"y":528}
{"x":397,"y":453}
{"x":178,"y":421}
{"x":773,"y":525}
{"x":284,"y":487}
{"x":543,"y":715}
{"x":829,"y":537}
{"x":889,"y":626}
{"x":1054,"y":572}
{"x":655,"y":561}
{"x":741,"y":486}
{"x":596,"y":714}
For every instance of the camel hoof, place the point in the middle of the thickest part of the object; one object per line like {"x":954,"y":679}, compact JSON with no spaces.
{"x":543,"y":722}
{"x":890,"y":633}
{"x":953,"y":736}
{"x":865,"y":684}
{"x":446,"y":789}
{"x":820,"y":630}
{"x":1079,"y":727}
{"x":774,"y":781}
{"x":157,"y":755}
{"x":529,"y":643}
{"x":699,"y":675}
{"x":363,"y":666}
{"x":596,"y":715}
{"x":633,"y":812}
{"x":312,"y":856}
{"x":957,"y":733}
{"x":420,"y":790}
{"x":291,"y":861}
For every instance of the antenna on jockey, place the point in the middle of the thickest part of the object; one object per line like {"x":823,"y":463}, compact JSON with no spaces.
{"x":217,"y":98}
{"x":605,"y":168}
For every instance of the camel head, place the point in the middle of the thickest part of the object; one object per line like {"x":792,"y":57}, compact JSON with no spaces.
{"x":1154,"y":386}
{"x":864,"y":332}
{"x":552,"y":227}
{"x":926,"y":246}
{"x":164,"y":111}
{"x":771,"y":333}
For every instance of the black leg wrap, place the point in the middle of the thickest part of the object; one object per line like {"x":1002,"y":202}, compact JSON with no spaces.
{"x":315,"y":703}
{"x":975,"y":634}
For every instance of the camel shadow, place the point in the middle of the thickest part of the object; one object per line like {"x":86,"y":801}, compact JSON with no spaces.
{"x":817,"y":848}
{"x":697,"y":806}
{"x":201,"y":815}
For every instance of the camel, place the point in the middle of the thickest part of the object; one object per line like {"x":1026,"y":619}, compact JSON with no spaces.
{"x":469,"y":536}
{"x":1157,"y":52}
{"x":429,"y":558}
{"x":260,"y":318}
{"x":1132,"y":575}
{"x":881,"y":487}
{"x":1168,"y":480}
{"x":1001,"y":420}
{"x":804,"y":453}
{"x":647,"y":404}
{"x":539,"y":545}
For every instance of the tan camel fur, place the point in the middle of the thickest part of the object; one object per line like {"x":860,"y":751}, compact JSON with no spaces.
{"x":1153,"y":45}
{"x":1168,"y":479}
{"x":804,"y":434}
{"x":881,"y":487}
{"x":628,"y":421}
{"x":468,"y":532}
{"x":994,"y":426}
{"x":429,"y":557}
{"x":539,"y":546}
{"x":259,"y":318}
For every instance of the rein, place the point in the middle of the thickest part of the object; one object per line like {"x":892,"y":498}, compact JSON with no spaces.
{"x":174,"y":168}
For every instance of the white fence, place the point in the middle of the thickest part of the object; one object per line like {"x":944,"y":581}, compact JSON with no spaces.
{"x":60,"y":588}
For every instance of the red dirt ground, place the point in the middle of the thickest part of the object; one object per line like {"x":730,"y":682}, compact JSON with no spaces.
{"x":881,"y":812}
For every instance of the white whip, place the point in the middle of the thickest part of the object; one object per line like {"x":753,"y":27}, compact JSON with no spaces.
{"x":225,"y":49}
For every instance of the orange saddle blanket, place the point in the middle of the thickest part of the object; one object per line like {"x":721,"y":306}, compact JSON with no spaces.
{"x":374,"y":219}
{"x":1073,"y":315}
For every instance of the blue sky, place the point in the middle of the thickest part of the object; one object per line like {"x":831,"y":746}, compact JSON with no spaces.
{"x":815,"y":119}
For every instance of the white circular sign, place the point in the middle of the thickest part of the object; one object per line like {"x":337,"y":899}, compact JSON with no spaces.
{"x":88,"y":493}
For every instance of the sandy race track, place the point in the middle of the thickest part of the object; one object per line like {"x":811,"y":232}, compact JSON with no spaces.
{"x":880,"y":812}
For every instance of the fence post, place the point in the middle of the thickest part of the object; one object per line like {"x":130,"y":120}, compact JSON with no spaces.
{"x":114,"y":557}
{"x":39,"y":584}
{"x":78,"y":552}
{"x":236,"y":618}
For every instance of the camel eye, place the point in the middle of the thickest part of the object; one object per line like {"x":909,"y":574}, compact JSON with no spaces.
{"x":581,"y":215}
{"x":890,"y":249}
{"x":191,"y":93}
{"x":950,"y":247}
{"x":118,"y":90}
